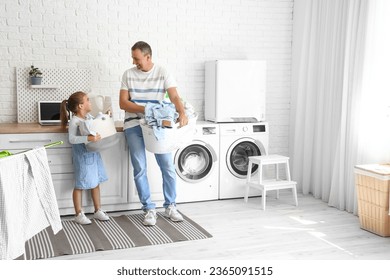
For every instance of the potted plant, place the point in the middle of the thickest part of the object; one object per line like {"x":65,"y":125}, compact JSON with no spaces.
{"x":35,"y":75}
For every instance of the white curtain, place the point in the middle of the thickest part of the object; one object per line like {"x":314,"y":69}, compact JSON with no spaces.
{"x":374,"y":139}
{"x":329,"y":90}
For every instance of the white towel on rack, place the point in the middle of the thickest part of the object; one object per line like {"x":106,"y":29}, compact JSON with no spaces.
{"x":27,"y":201}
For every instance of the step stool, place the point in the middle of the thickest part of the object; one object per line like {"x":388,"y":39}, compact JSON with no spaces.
{"x":270,"y":185}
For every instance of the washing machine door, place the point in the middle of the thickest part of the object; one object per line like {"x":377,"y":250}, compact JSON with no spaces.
{"x":195,"y":162}
{"x":238,"y":153}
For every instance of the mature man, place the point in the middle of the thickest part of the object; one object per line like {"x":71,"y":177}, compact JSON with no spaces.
{"x":147,"y":82}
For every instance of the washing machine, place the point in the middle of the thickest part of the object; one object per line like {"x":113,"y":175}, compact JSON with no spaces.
{"x":238,"y":141}
{"x":197,"y":165}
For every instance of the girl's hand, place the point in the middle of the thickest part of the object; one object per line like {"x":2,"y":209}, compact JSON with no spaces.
{"x":92,"y":138}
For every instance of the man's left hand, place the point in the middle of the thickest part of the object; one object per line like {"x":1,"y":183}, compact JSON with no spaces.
{"x":183,"y":120}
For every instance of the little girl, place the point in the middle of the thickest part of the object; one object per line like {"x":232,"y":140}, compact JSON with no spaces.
{"x":88,"y":166}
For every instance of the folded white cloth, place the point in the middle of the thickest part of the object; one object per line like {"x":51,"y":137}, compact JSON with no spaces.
{"x":27,"y":201}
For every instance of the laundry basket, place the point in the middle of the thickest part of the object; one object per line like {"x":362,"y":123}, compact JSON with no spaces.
{"x":174,"y":138}
{"x":106,"y":128}
{"x":373,"y":189}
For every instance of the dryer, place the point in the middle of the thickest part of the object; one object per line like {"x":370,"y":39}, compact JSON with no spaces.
{"x":238,"y":141}
{"x":197,"y":165}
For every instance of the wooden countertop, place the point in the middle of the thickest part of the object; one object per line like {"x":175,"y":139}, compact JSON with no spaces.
{"x":19,"y":128}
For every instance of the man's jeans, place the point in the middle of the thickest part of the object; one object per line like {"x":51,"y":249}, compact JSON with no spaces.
{"x":135,"y":142}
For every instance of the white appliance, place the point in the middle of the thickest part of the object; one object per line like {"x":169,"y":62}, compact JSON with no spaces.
{"x":238,"y":141}
{"x":197,"y":165}
{"x":197,"y":169}
{"x":235,"y":90}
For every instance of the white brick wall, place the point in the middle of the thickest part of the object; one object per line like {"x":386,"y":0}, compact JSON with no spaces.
{"x":98,"y":34}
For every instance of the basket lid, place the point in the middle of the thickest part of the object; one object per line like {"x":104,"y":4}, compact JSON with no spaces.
{"x":380,"y":169}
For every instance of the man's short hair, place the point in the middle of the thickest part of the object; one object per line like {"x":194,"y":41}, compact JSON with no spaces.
{"x":143,"y":47}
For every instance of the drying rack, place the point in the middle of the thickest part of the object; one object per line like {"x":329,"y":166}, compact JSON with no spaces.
{"x":4,"y":154}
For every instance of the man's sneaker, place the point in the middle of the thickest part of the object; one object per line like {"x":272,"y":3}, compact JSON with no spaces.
{"x":150,"y":218}
{"x":101,"y":215}
{"x":173,"y":214}
{"x":82,"y":219}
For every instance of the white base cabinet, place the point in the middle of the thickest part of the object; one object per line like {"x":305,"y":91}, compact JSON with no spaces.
{"x":155,"y":183}
{"x":114,"y":192}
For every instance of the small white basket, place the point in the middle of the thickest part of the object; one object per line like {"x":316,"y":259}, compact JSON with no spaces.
{"x":106,"y":128}
{"x":174,"y":138}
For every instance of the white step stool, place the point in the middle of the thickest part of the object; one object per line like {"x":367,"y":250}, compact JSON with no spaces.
{"x":270,"y":185}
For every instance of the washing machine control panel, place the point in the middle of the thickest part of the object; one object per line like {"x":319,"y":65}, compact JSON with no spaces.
{"x":253,"y":128}
{"x":259,"y":128}
{"x":209,"y":130}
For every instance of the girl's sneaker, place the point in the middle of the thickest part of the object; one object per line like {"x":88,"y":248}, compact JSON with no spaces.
{"x":101,"y":215}
{"x":82,"y":219}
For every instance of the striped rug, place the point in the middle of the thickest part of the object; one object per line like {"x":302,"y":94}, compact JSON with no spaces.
{"x":121,"y":232}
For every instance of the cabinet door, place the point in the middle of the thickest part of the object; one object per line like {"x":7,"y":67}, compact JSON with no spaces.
{"x":63,"y":182}
{"x":155,"y":182}
{"x":59,"y":159}
{"x":63,"y":187}
{"x":115,"y":160}
{"x":114,"y":192}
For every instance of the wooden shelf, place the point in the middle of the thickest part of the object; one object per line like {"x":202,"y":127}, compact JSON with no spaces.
{"x":44,"y":86}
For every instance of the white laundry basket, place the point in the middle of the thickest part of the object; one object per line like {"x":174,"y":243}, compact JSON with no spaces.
{"x":106,"y":128}
{"x":174,"y":138}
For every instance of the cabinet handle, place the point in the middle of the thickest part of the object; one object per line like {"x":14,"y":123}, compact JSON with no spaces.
{"x":29,"y":141}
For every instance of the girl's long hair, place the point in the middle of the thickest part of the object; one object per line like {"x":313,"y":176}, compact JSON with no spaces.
{"x":72,"y":105}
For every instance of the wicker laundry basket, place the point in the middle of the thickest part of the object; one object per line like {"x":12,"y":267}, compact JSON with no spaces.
{"x":373,"y":184}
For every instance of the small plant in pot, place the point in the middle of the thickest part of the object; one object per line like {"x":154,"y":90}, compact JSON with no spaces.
{"x":35,"y":75}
